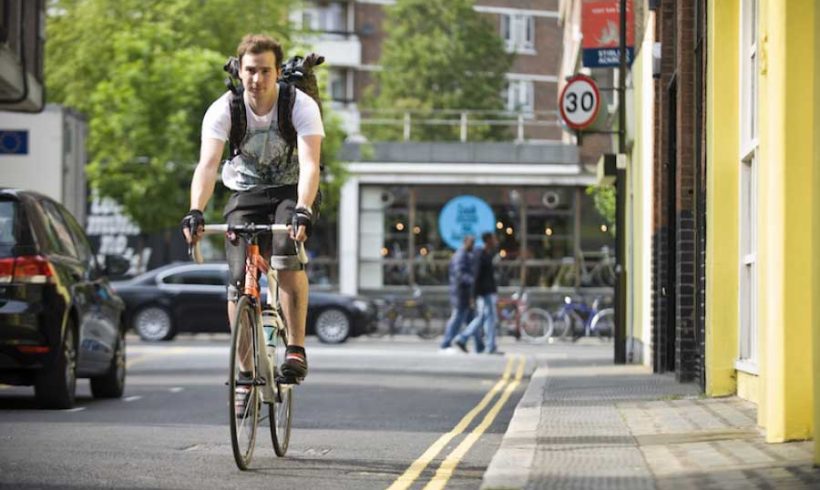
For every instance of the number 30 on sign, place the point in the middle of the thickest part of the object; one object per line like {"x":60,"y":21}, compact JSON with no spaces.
{"x":580,"y":101}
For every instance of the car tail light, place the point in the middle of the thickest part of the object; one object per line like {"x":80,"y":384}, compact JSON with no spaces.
{"x":6,"y":270}
{"x":34,"y":269}
{"x":33,"y":349}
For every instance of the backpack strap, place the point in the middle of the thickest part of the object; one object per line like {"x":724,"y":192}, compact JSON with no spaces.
{"x":287,"y":97}
{"x":239,"y":122}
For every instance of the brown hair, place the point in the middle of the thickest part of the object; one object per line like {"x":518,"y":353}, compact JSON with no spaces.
{"x":259,"y":43}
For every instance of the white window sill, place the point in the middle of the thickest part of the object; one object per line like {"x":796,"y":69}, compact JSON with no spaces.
{"x":747,"y":366}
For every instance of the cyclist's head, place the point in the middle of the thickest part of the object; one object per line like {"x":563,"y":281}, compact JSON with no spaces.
{"x":260,"y":57}
{"x":258,"y":44}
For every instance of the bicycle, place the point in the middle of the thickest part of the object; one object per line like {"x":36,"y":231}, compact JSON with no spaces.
{"x":248,"y":367}
{"x":595,"y":321}
{"x":516,"y":317}
{"x":408,"y":315}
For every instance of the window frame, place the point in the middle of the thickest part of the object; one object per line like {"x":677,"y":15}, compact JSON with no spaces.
{"x":518,"y":33}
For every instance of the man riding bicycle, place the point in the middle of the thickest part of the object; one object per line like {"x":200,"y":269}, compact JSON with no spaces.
{"x":269,"y":186}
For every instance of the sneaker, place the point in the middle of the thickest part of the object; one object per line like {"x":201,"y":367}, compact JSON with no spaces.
{"x":242,"y":394}
{"x":461,"y":345}
{"x":295,"y":366}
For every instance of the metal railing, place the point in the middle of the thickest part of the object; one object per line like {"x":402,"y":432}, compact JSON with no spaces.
{"x":464,"y":120}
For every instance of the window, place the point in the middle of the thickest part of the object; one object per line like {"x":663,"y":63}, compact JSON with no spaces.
{"x":58,"y":230}
{"x":338,"y":85}
{"x":78,"y":236}
{"x":748,"y":190}
{"x":520,"y":96}
{"x":325,"y":17}
{"x":8,"y":218}
{"x":197,"y":278}
{"x":518,"y":32}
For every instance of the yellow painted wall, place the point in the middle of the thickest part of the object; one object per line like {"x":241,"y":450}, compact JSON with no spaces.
{"x":816,"y":233}
{"x":639,"y":213}
{"x":722,"y":275}
{"x":785,"y":207}
{"x":816,"y":222}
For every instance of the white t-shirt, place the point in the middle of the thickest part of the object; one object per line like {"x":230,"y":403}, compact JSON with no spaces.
{"x":307,"y":120}
{"x":263,"y":157}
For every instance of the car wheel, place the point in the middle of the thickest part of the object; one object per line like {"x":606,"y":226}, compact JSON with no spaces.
{"x":112,"y":383}
{"x":332,"y":326}
{"x":154,"y":324}
{"x":55,"y":386}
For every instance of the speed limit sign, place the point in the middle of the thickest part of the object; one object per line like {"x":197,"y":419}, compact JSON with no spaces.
{"x":580,"y":101}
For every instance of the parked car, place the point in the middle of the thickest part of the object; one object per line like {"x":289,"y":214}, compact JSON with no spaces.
{"x":59,"y":317}
{"x":189,"y":297}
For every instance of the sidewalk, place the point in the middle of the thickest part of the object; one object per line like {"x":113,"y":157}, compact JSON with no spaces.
{"x":584,"y":422}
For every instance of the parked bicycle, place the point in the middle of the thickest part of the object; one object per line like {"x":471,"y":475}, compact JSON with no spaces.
{"x":517,"y":318}
{"x":577,"y":319}
{"x":252,"y":366}
{"x":405,"y":316}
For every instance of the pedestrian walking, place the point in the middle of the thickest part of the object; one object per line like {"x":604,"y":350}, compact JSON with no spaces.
{"x":486,"y":318}
{"x":462,"y":280}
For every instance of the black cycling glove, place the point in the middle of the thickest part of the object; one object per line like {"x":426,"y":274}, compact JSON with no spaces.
{"x":302,"y":217}
{"x":192,"y":221}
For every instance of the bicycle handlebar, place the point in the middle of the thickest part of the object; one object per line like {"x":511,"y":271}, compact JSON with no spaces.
{"x":196,"y":254}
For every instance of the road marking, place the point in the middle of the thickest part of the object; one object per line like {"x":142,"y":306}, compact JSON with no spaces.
{"x":176,"y":389}
{"x":448,"y":466}
{"x":75,"y":409}
{"x":412,"y":473}
{"x":131,"y":398}
{"x":147,"y":357}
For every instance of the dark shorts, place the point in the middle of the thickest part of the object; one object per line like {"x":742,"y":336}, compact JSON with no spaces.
{"x":263,"y":205}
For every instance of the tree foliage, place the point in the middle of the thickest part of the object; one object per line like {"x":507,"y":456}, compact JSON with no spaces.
{"x":144,"y":72}
{"x":439,"y":54}
{"x":604,"y":198}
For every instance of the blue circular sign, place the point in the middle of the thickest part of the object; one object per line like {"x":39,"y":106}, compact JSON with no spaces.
{"x":465,"y":215}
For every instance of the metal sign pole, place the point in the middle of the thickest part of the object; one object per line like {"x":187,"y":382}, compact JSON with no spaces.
{"x":620,"y":204}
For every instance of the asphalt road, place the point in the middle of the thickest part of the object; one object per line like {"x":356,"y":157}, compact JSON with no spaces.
{"x":372,"y":413}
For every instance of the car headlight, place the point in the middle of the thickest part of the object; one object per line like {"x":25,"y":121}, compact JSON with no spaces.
{"x":361,"y":304}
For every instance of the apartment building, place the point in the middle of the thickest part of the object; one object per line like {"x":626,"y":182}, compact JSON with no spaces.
{"x":350,"y":33}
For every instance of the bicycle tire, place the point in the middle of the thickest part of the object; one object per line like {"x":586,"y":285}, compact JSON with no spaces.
{"x":562,"y":325}
{"x":602,"y":324}
{"x":422,"y":325}
{"x":536,"y":325}
{"x":243,"y":428}
{"x":281,"y":410}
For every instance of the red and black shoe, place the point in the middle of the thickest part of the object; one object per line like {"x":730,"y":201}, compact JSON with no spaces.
{"x":295,"y":367}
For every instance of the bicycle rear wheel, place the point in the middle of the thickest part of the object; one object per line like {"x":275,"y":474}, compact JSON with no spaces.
{"x":243,"y":409}
{"x":536,"y":325}
{"x":422,"y":324}
{"x":603,"y":323}
{"x":281,"y":410}
{"x":562,"y":325}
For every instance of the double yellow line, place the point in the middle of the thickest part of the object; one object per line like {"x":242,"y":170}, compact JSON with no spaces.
{"x":448,"y":466}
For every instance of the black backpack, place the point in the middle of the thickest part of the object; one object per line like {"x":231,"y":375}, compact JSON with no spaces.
{"x":297,"y":72}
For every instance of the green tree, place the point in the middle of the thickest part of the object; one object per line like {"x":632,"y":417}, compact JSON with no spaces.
{"x":144,"y":72}
{"x":439,"y":54}
{"x":604,"y":198}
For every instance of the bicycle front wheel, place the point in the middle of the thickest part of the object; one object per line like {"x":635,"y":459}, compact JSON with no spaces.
{"x":281,"y":410}
{"x":243,"y":393}
{"x":536,"y":325}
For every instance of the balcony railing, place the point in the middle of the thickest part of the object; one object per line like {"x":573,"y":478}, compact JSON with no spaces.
{"x":464,"y":121}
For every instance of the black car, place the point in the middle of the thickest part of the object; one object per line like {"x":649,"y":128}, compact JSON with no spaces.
{"x":189,"y":297}
{"x":59,"y":317}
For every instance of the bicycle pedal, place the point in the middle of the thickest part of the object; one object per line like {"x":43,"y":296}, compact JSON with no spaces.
{"x":288,"y":380}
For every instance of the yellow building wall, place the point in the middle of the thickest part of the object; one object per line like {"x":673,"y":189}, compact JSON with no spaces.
{"x":785,"y":242}
{"x":816,"y":235}
{"x":722,"y":177}
{"x":639,"y":212}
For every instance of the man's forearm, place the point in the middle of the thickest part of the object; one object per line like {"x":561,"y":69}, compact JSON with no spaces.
{"x":202,"y":187}
{"x":308,"y":186}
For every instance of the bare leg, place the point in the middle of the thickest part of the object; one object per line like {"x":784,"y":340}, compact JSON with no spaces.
{"x":293,"y":287}
{"x":244,"y":342}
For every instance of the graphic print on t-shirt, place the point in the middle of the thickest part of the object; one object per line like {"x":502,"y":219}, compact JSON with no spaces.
{"x":262,"y":161}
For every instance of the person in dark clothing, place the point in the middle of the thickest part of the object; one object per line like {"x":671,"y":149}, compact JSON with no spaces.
{"x":462,"y":280}
{"x":486,"y":300}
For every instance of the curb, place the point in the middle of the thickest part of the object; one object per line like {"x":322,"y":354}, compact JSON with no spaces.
{"x":510,"y":466}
